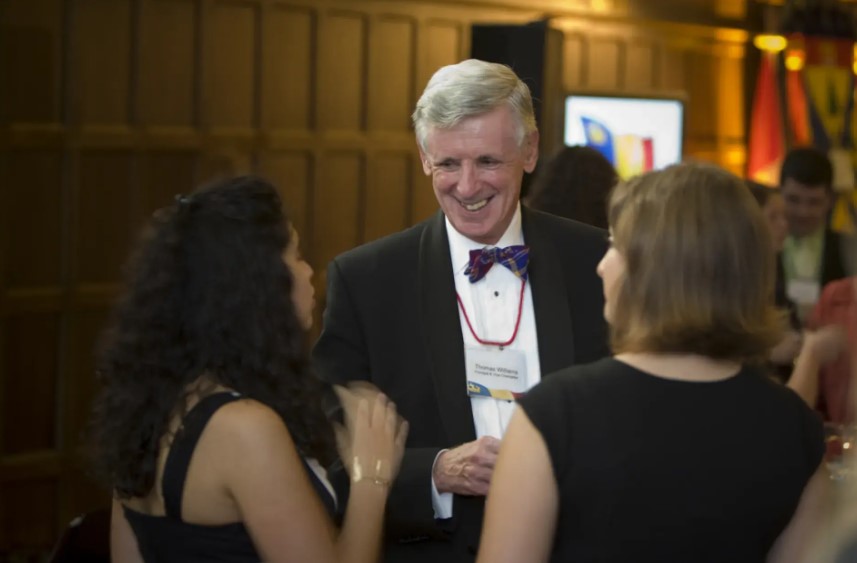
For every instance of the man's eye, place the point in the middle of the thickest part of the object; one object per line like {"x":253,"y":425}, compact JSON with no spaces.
{"x":447,"y":165}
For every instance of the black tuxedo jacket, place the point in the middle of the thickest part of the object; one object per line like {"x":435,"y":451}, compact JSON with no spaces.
{"x":392,"y":319}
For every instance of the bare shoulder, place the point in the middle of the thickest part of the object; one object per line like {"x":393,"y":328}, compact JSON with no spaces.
{"x":248,"y":422}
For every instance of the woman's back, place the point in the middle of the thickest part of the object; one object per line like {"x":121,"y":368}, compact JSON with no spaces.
{"x":192,"y":514}
{"x":654,"y":469}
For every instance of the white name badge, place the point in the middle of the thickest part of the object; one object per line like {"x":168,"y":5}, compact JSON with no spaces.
{"x":492,"y":372}
{"x":803,"y":291}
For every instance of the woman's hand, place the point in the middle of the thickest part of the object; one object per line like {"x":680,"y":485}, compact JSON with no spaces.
{"x":372,"y":442}
{"x":788,"y":348}
{"x":825,"y":344}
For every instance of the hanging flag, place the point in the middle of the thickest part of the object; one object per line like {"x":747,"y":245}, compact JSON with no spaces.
{"x":766,"y":148}
{"x":797,"y":106}
{"x":829,"y":81}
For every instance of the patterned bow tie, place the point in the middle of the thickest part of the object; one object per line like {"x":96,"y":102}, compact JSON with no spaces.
{"x":516,"y":258}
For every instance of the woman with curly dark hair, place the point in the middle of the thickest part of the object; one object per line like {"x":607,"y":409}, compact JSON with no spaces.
{"x":210,"y":428}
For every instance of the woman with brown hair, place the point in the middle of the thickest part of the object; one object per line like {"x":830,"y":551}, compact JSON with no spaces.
{"x":673,"y":449}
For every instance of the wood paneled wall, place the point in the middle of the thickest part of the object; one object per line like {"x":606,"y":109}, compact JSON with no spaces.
{"x":110,"y":107}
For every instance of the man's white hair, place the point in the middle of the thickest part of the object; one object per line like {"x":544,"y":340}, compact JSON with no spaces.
{"x":471,"y":88}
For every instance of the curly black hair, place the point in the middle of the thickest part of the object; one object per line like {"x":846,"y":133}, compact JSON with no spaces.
{"x":207,"y":293}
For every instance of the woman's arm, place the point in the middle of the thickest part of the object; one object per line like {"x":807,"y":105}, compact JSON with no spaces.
{"x":811,"y":515}
{"x":278,"y":505}
{"x":522,"y":505}
{"x":123,"y":542}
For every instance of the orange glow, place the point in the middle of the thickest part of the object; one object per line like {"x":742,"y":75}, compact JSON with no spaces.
{"x":854,"y":58}
{"x":794,"y":59}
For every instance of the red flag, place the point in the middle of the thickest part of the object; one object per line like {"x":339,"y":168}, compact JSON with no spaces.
{"x":766,"y":147}
{"x":798,"y":109}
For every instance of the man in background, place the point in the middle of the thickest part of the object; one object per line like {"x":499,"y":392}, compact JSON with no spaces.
{"x":811,"y":254}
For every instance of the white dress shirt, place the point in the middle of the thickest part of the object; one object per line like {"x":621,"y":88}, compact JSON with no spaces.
{"x":492,"y":306}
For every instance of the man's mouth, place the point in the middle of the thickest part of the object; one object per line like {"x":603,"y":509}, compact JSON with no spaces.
{"x":476,"y":205}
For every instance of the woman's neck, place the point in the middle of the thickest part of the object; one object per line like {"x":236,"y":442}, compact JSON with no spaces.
{"x":683,"y":367}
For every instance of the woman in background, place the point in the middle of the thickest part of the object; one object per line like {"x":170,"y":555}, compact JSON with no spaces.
{"x":575,"y":184}
{"x":672,"y":450}
{"x":774,"y":210}
{"x":210,"y":429}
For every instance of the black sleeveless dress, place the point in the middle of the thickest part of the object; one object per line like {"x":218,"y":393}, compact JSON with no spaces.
{"x":168,"y":538}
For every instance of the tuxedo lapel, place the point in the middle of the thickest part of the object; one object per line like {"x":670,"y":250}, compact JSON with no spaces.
{"x":550,"y":290}
{"x":439,"y":313}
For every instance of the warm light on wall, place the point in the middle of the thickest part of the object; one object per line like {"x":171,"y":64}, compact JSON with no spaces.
{"x":600,"y":6}
{"x":770,"y":43}
{"x":854,"y":58}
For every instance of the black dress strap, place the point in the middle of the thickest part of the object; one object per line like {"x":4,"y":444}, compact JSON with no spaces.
{"x":184,"y":443}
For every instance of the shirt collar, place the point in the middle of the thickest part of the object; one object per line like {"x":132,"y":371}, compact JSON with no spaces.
{"x":812,"y":240}
{"x":460,"y":246}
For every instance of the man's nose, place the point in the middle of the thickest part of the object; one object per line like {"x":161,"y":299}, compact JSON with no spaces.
{"x":468,"y":181}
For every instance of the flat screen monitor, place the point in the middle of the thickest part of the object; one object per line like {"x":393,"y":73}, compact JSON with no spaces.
{"x":636,"y":134}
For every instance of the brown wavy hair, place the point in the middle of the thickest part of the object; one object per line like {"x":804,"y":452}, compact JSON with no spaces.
{"x":699,"y":265}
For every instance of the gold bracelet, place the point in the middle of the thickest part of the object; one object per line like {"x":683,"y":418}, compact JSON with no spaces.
{"x":357,"y":473}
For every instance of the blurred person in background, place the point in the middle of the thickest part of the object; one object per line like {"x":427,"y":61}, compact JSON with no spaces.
{"x":773,"y":209}
{"x":575,"y":183}
{"x":812,"y":254}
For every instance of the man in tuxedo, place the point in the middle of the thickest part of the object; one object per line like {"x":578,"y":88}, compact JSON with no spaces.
{"x":812,"y":255}
{"x":453,"y":317}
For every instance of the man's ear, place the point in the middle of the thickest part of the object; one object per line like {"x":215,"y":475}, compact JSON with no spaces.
{"x":531,"y":151}
{"x":424,"y":160}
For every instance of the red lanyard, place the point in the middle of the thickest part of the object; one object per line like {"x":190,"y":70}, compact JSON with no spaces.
{"x":517,"y":322}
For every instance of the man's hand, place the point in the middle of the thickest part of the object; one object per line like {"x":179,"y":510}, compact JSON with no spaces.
{"x":467,"y":469}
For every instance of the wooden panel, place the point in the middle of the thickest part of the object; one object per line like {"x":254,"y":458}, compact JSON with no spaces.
{"x":33,"y":237}
{"x":573,"y":62}
{"x":341,"y":72}
{"x":442,"y":45}
{"x":213,"y":166}
{"x":30,"y":91}
{"x":641,"y":69}
{"x":391,"y":74}
{"x":337,"y":205}
{"x":287,"y":76}
{"x":423,"y":201}
{"x":730,"y":97}
{"x":30,"y":361}
{"x":673,"y":74}
{"x":603,"y":65}
{"x":290,"y":172}
{"x":29,"y":515}
{"x":81,"y":494}
{"x":167,"y":175}
{"x":105,"y":218}
{"x":230,"y":65}
{"x":702,"y":115}
{"x":102,"y":66}
{"x":387,"y":195}
{"x":84,"y":329}
{"x":167,"y":62}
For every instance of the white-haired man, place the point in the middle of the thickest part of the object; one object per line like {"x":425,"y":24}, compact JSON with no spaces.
{"x":455,"y":316}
